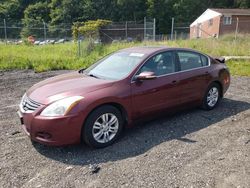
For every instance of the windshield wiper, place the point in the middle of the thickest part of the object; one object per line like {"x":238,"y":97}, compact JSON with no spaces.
{"x":81,"y":70}
{"x":92,"y":75}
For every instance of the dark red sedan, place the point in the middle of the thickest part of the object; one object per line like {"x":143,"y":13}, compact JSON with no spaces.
{"x":94,"y":105}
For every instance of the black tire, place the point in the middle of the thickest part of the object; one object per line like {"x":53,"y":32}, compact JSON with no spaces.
{"x":208,"y":105}
{"x":96,"y":116}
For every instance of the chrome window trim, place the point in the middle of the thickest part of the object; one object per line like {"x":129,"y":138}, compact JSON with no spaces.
{"x":209,"y":64}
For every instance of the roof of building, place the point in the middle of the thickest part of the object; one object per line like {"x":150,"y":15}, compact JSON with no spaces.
{"x":211,"y":13}
{"x":207,"y":15}
{"x":233,"y":11}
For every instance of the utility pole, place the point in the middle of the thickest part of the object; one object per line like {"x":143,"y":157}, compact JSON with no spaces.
{"x":5,"y":30}
{"x":145,"y":27}
{"x":236,"y":29}
{"x":79,"y":47}
{"x":44,"y":31}
{"x":154,"y":30}
{"x":172,"y":29}
{"x":126,"y":28}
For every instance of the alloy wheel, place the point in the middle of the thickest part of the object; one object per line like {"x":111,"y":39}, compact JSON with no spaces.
{"x":212,"y":96}
{"x":105,"y":128}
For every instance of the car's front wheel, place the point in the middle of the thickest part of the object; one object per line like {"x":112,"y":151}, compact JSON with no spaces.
{"x":211,"y":97}
{"x":103,"y":126}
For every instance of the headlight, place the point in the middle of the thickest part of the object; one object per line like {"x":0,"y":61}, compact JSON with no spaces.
{"x":61,"y":107}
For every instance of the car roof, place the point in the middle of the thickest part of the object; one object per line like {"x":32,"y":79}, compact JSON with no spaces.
{"x":144,"y":49}
{"x":147,"y":50}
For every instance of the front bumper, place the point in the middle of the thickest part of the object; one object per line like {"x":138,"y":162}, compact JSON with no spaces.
{"x":54,"y":131}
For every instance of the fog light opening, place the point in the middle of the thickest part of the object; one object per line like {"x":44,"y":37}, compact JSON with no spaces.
{"x":43,"y":135}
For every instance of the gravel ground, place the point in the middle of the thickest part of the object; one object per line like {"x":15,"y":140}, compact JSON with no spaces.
{"x":193,"y":148}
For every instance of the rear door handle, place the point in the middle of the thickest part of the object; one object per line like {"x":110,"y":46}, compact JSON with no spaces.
{"x":174,"y":82}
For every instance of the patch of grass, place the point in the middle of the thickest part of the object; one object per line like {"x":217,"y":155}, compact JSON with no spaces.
{"x":64,"y":56}
{"x":40,"y":58}
{"x":239,"y":67}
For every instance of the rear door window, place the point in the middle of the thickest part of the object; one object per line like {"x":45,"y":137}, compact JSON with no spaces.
{"x":191,"y":60}
{"x":204,"y":60}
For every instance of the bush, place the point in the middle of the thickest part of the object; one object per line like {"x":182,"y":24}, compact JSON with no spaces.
{"x":89,"y":29}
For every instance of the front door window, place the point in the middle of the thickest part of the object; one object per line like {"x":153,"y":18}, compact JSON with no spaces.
{"x":161,"y":64}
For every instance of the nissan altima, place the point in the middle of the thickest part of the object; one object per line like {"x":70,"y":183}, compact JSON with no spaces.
{"x":95,"y":104}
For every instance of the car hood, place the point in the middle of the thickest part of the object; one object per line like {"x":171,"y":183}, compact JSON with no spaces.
{"x":70,"y":84}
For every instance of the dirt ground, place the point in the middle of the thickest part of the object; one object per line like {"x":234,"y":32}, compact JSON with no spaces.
{"x":194,"y":148}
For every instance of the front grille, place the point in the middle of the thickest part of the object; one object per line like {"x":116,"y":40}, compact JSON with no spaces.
{"x":28,"y":105}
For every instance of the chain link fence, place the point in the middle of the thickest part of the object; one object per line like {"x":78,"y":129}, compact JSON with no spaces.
{"x":144,"y":30}
{"x":128,"y":31}
{"x":181,"y":31}
{"x":13,"y":32}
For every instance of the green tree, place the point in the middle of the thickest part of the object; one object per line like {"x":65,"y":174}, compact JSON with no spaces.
{"x":8,"y":11}
{"x":162,"y":10}
{"x":243,"y":3}
{"x":133,"y":10}
{"x":186,"y":11}
{"x":13,"y":10}
{"x":69,"y":11}
{"x":105,"y":9}
{"x":64,"y":13}
{"x":35,"y":16}
{"x":60,"y":14}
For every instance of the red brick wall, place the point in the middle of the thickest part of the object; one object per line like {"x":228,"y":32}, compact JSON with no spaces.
{"x":192,"y":32}
{"x":219,"y":28}
{"x":243,"y":27}
{"x":207,"y":31}
{"x":211,"y":30}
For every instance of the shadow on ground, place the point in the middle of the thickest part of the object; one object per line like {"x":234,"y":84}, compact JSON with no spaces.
{"x":139,"y":139}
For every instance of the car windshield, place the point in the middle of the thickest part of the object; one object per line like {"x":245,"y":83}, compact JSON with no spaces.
{"x":115,"y":66}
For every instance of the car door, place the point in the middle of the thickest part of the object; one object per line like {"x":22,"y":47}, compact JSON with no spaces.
{"x":162,"y":92}
{"x":193,"y":76}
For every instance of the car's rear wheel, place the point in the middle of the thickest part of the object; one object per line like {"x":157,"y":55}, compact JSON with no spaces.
{"x":211,"y":97}
{"x":103,"y":126}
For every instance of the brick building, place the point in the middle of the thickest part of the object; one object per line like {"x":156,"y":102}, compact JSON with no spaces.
{"x":216,"y":22}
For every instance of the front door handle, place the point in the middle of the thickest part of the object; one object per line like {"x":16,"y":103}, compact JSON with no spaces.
{"x":154,"y":90}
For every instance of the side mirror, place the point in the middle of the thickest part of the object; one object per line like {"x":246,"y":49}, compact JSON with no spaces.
{"x":146,"y":76}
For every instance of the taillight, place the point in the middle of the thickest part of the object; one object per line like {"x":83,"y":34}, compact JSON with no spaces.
{"x":226,"y":79}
